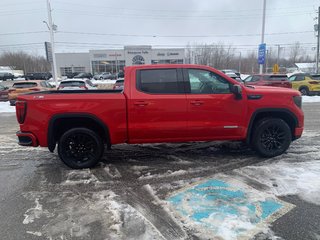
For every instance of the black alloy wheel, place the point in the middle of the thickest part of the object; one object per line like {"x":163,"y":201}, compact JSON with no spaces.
{"x":80,"y":148}
{"x":271,"y":137}
{"x":304,"y":91}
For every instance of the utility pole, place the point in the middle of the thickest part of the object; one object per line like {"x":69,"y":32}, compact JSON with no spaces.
{"x":279,"y":49}
{"x":318,"y":40}
{"x":240,"y":63}
{"x":263,"y":29}
{"x":51,"y":29}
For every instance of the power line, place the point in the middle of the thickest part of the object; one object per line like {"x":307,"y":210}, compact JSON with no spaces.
{"x":180,"y":36}
{"x":22,"y":33}
{"x":167,"y":17}
{"x":175,"y":11}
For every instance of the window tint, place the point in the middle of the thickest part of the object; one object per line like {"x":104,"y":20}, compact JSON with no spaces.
{"x":248,"y":79}
{"x":275,"y":77}
{"x":299,"y":78}
{"x":25,"y":85}
{"x":206,"y":82}
{"x":159,"y":81}
{"x":292,"y":78}
{"x":255,"y":78}
{"x":72,"y":84}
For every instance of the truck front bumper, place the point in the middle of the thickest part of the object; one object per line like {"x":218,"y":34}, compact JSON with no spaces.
{"x":27,"y":139}
{"x":298,"y":132}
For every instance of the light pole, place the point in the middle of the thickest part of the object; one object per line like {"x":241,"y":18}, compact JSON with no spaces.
{"x":51,"y":29}
{"x":263,"y":29}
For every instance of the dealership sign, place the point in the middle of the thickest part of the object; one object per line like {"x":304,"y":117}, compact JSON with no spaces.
{"x":262,"y":53}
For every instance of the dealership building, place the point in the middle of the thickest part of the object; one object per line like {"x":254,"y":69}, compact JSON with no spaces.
{"x":97,"y":61}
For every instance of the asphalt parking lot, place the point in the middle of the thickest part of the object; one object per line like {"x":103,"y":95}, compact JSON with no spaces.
{"x":133,"y":192}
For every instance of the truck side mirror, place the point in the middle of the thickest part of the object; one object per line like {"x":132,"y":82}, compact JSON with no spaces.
{"x":237,"y":91}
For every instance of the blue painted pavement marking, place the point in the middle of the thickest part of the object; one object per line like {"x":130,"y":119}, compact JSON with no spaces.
{"x":226,"y":209}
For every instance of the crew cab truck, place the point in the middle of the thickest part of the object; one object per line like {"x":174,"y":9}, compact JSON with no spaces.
{"x":160,"y":103}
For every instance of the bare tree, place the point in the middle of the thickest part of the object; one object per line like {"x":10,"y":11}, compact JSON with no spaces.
{"x":24,"y":61}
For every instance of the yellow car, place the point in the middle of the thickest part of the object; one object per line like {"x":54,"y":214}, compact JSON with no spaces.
{"x":305,"y":83}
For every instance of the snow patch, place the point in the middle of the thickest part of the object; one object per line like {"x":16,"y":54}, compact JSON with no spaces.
{"x":81,"y":215}
{"x":169,"y":173}
{"x":288,"y":178}
{"x":35,"y":213}
{"x":6,"y":108}
{"x":84,"y":176}
{"x":310,"y":99}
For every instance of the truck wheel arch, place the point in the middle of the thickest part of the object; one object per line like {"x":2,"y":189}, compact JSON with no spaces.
{"x":281,"y":113}
{"x":60,"y":123}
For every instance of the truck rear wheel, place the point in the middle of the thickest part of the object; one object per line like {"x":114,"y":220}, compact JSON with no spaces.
{"x":80,"y":148}
{"x":271,"y":137}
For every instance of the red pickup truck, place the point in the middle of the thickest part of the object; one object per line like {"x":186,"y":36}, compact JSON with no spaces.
{"x":160,"y":103}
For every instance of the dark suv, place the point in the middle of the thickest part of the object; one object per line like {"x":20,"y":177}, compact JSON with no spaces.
{"x":272,"y":80}
{"x":5,"y":75}
{"x":84,"y":75}
{"x":38,"y":76}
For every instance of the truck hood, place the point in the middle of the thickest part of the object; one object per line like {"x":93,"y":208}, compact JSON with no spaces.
{"x":270,"y":90}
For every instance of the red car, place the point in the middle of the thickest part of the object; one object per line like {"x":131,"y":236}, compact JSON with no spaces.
{"x":3,"y":93}
{"x":160,"y":103}
{"x":272,"y":80}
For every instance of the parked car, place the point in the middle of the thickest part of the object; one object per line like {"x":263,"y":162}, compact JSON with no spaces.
{"x":105,"y":75}
{"x":159,"y":103}
{"x":4,"y":76}
{"x":234,"y":76}
{"x":272,"y":80}
{"x":3,"y":93}
{"x":22,"y":87}
{"x":76,"y":84}
{"x":305,"y":83}
{"x":119,"y":84}
{"x":38,"y":76}
{"x":230,"y":71}
{"x":71,"y":75}
{"x":120,"y":74}
{"x":83,"y":75}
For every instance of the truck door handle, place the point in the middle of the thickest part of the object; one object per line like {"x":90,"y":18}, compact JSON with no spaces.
{"x":197,"y":103}
{"x":141,"y":103}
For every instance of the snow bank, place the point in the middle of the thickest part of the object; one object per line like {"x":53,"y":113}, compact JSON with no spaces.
{"x":5,"y":107}
{"x":310,"y":99}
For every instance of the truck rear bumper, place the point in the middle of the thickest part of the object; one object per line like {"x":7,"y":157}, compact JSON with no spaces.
{"x":27,"y":139}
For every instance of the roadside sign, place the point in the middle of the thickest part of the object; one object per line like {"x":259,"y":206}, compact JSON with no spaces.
{"x":48,"y":52}
{"x":262,"y":53}
{"x":275,"y":68}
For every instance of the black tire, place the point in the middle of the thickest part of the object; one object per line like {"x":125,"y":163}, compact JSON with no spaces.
{"x":271,"y":137}
{"x":304,"y":91}
{"x":80,"y":148}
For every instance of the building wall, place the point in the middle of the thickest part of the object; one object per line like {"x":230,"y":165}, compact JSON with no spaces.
{"x":76,"y":62}
{"x":97,"y":61}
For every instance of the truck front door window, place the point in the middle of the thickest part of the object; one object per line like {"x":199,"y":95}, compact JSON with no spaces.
{"x":206,"y":82}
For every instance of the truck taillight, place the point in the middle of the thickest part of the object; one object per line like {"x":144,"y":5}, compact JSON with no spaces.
{"x":21,"y":111}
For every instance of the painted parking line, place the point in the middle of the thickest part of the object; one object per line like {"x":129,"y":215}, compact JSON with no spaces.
{"x":227,"y":208}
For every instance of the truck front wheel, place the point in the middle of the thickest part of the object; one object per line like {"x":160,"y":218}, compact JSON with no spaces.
{"x":80,"y":148}
{"x":271,"y":137}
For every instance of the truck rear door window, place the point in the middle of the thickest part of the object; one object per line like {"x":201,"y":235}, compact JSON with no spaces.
{"x":159,"y":81}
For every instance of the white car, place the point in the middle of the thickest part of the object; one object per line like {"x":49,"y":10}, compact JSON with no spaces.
{"x":76,"y":84}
